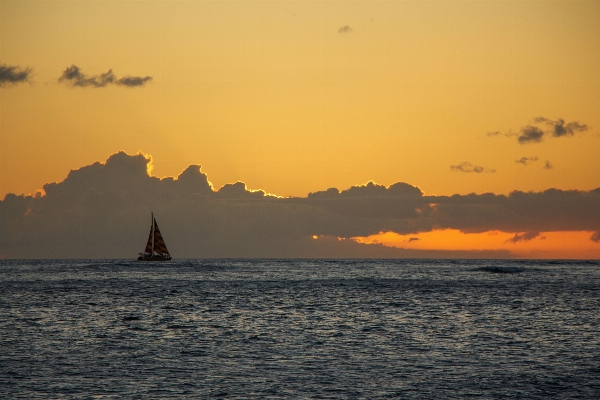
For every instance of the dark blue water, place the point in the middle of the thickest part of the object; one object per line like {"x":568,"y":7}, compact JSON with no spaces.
{"x":299,"y":328}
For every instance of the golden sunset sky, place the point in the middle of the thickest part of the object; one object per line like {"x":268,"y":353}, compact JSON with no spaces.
{"x":294,"y":97}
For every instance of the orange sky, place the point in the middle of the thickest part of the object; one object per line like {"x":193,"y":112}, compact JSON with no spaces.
{"x":295,"y":97}
{"x":570,"y":245}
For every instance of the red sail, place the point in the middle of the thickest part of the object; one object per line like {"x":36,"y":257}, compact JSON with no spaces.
{"x":159,"y":243}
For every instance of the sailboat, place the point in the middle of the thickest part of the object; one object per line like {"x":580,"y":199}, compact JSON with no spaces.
{"x":156,"y":249}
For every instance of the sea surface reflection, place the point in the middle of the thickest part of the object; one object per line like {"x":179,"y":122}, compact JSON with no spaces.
{"x":300,"y":328}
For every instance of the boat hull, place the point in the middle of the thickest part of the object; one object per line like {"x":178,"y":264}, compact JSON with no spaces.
{"x":153,"y":258}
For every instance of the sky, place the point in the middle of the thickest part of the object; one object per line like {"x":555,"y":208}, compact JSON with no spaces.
{"x":293,"y":98}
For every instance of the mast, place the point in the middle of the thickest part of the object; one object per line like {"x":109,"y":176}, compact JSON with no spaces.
{"x":152,"y":233}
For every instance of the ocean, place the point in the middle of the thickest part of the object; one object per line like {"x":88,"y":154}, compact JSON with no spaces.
{"x":410,"y":329}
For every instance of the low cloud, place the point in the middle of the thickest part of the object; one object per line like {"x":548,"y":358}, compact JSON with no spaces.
{"x":523,"y":237}
{"x":345,"y":29}
{"x":12,"y":74}
{"x":468,"y":167}
{"x":542,"y":127}
{"x":102,"y":211}
{"x":548,"y":165}
{"x":73,"y":76}
{"x":526,"y":160}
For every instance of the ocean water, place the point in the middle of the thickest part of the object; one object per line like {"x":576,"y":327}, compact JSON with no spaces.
{"x":300,"y":329}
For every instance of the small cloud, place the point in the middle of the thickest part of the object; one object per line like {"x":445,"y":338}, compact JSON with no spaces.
{"x":345,"y":29}
{"x":541,"y":120}
{"x":541,"y":127}
{"x":133,"y":81}
{"x":530,"y":134}
{"x":524,"y":237}
{"x":75,"y":77}
{"x":548,"y":165}
{"x":468,"y":167}
{"x":596,"y":237}
{"x":412,"y":239}
{"x":509,"y":133}
{"x":559,"y":128}
{"x":12,"y":74}
{"x":526,"y":160}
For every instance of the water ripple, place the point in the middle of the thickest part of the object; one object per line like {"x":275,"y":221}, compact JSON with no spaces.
{"x":299,"y":328}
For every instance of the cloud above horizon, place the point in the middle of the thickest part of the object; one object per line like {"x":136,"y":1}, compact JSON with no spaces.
{"x":527,"y":160}
{"x":12,"y":74}
{"x":524,"y":237}
{"x":468,"y":167}
{"x":542,"y":127}
{"x":345,"y":29}
{"x":101,"y":210}
{"x":559,"y":128}
{"x":73,"y":76}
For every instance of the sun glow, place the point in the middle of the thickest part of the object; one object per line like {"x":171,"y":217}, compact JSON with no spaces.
{"x":575,"y":244}
{"x":149,"y":163}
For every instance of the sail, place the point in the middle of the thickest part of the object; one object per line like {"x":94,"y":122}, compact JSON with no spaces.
{"x":148,"y":249}
{"x":159,"y":243}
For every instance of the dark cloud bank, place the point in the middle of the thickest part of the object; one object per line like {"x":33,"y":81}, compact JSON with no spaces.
{"x":73,"y":76}
{"x":103,"y":211}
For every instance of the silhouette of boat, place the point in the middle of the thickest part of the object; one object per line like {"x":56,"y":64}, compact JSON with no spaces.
{"x":156,"y":249}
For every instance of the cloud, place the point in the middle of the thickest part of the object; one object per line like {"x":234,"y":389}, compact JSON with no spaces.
{"x":468,"y":167}
{"x":133,"y":81}
{"x":530,"y":134}
{"x":526,"y":160}
{"x":542,"y":127}
{"x":12,"y":74}
{"x":524,"y":237}
{"x":413,"y":239}
{"x":558,"y":127}
{"x":102,"y":210}
{"x":548,"y":165}
{"x":345,"y":29}
{"x":73,"y":76}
